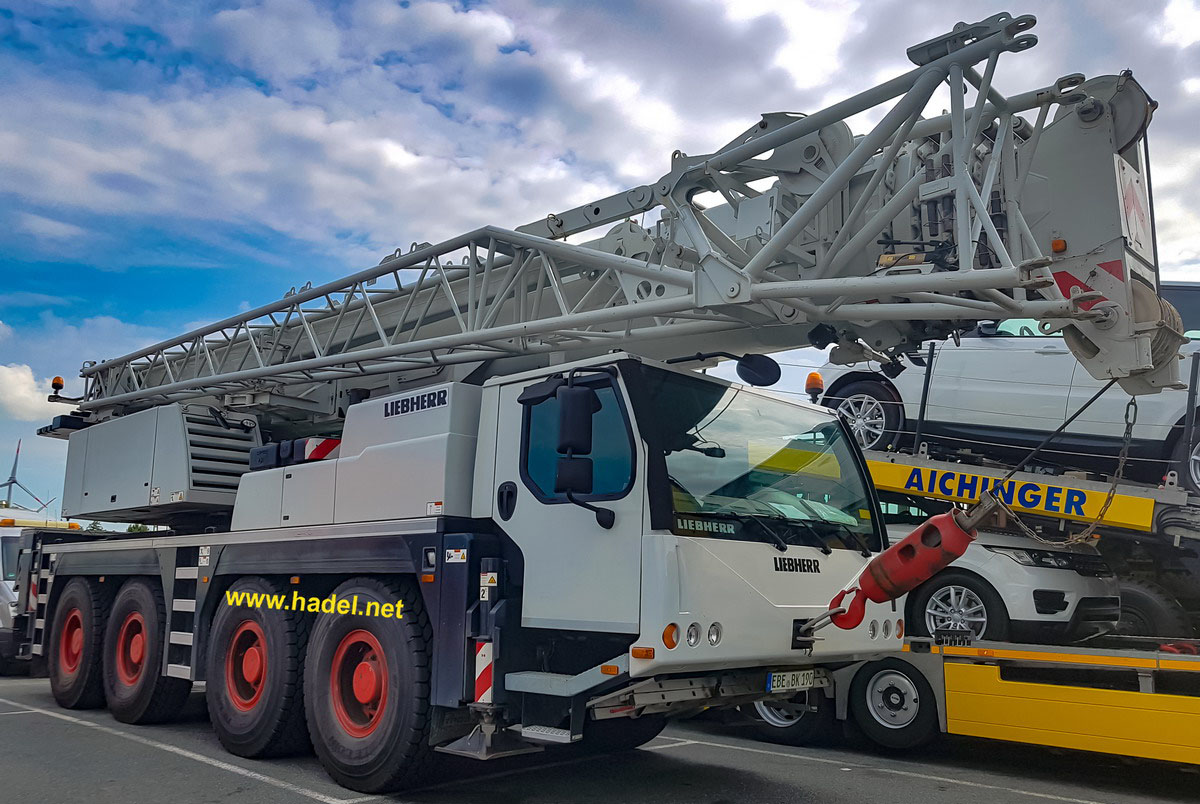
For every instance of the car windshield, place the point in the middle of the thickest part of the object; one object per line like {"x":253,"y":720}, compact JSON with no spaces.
{"x":741,"y":463}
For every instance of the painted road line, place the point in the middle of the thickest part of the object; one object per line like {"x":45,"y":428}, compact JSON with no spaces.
{"x":897,"y":772}
{"x":183,"y":752}
{"x":19,"y":712}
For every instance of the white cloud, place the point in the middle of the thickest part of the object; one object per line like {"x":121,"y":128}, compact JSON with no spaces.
{"x":1180,"y":24}
{"x":22,"y":397}
{"x":48,"y":227}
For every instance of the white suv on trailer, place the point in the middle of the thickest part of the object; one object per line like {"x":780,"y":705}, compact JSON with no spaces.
{"x":1008,"y":587}
{"x":1004,"y":388}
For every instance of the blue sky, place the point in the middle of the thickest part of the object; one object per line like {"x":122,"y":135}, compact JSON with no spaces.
{"x":166,"y":164}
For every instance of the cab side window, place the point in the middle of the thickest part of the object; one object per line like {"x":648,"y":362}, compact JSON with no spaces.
{"x":612,"y":449}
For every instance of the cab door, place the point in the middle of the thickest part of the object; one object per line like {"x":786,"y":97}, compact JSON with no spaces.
{"x":578,"y":575}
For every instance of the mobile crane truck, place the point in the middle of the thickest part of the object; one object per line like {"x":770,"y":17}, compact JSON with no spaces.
{"x":496,"y":443}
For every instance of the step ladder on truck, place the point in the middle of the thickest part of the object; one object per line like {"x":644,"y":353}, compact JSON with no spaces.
{"x":476,"y":500}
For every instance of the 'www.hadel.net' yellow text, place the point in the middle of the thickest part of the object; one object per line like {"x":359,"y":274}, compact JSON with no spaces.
{"x":327,"y":605}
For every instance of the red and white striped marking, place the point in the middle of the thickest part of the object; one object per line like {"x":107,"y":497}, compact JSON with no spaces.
{"x":317,"y":448}
{"x":483,"y":672}
{"x":1067,"y":281}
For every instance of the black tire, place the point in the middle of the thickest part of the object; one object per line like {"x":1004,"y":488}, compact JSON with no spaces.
{"x":808,"y":719}
{"x":1149,"y":610}
{"x":997,"y":627}
{"x":76,"y":677}
{"x":380,"y":744}
{"x":622,"y":733}
{"x":256,"y":702}
{"x":891,"y":413}
{"x":134,"y":685}
{"x":893,"y":685}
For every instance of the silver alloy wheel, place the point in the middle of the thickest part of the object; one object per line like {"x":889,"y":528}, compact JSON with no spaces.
{"x":1193,"y":466}
{"x":956,"y":607}
{"x":892,"y":699}
{"x":782,"y":714}
{"x":866,"y":417}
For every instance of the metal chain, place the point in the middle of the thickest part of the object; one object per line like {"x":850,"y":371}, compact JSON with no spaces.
{"x":1087,"y":533}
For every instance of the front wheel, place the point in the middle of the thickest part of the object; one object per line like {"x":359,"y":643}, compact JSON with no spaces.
{"x":894,"y":705}
{"x":954,"y":600}
{"x":807,"y":719}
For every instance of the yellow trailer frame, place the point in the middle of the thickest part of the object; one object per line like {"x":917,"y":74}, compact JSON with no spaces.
{"x":1068,"y":697}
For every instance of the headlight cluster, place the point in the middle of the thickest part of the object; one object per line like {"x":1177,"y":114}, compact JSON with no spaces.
{"x":1085,"y":564}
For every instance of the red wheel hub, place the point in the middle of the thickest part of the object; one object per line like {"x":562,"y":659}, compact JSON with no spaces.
{"x":246,"y":665}
{"x":131,"y":649}
{"x":358,"y":683}
{"x":70,"y":645}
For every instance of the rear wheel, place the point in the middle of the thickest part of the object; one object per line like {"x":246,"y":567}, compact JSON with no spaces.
{"x":255,"y":672}
{"x":134,"y":685}
{"x":1149,"y":610}
{"x":1186,"y":464}
{"x":872,"y":411}
{"x":893,"y":705}
{"x":366,"y":689}
{"x":75,"y":646}
{"x":807,"y":719}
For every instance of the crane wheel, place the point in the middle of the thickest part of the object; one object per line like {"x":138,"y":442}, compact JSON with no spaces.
{"x":255,"y":672}
{"x":134,"y":685}
{"x":367,"y":688}
{"x":76,"y":638}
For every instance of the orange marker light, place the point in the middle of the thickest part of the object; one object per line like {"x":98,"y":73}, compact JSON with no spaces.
{"x":671,"y":636}
{"x":642,"y":653}
{"x":427,"y":578}
{"x":295,"y":579}
{"x":57,"y":383}
{"x":1058,"y":245}
{"x":814,"y":386}
{"x":899,"y":629}
{"x":609,"y":669}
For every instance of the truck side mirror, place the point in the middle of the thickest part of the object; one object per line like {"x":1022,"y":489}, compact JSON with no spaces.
{"x":758,"y":370}
{"x":573,"y":476}
{"x":988,"y":328}
{"x":577,"y":404}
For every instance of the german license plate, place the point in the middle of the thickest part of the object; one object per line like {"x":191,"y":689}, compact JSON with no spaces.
{"x":791,"y":680}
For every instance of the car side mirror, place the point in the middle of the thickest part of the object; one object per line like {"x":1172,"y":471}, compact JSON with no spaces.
{"x":988,"y":328}
{"x":577,"y":404}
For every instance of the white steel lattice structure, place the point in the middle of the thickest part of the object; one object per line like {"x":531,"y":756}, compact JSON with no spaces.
{"x":876,"y":243}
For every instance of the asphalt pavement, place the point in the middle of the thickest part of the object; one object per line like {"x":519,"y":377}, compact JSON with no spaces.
{"x":53,"y":755}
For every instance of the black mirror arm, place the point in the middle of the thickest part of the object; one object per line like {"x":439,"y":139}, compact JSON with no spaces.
{"x":604,"y":517}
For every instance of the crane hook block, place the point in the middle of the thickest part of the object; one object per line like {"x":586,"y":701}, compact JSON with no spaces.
{"x":905,"y":565}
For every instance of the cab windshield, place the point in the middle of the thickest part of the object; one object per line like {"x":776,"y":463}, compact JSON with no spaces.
{"x":747,"y":466}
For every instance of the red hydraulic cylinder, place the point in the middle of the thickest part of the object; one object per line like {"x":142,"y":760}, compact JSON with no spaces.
{"x":904,"y":566}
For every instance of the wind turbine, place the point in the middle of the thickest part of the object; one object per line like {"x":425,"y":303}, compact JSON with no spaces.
{"x":13,"y":482}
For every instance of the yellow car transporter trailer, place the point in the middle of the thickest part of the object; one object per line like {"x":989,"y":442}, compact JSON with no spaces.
{"x":1137,"y":703}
